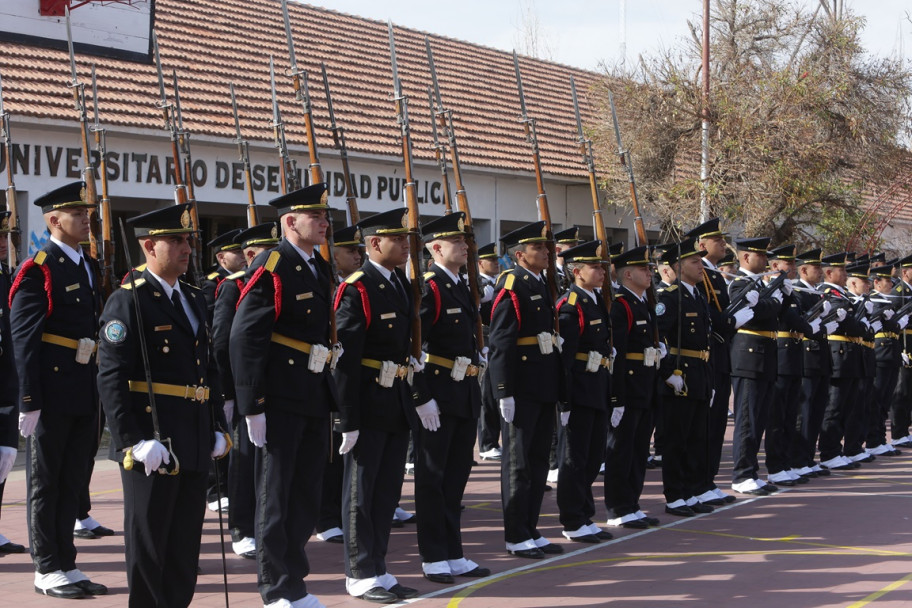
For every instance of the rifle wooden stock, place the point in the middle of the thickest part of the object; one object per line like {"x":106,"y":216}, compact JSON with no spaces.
{"x":338,"y":134}
{"x":244,"y":156}
{"x":108,"y":280}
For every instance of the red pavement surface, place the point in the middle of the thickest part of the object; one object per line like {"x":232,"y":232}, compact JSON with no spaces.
{"x":845,"y":540}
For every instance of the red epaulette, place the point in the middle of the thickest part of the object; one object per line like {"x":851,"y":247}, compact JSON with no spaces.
{"x":269,"y":266}
{"x":571,"y":299}
{"x":620,"y":298}
{"x":436,"y":292}
{"x":36,"y":260}
{"x":353,"y":279}
{"x":508,"y":288}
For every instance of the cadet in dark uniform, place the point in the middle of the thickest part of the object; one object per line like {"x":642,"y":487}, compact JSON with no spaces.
{"x":633,"y":391}
{"x":528,"y":379}
{"x":753,"y":358}
{"x":349,"y":253}
{"x":489,"y":420}
{"x":686,"y":382}
{"x":240,"y":484}
{"x":901,"y":401}
{"x":563,"y":240}
{"x":586,"y":330}
{"x":229,"y":259}
{"x":848,"y":365}
{"x":860,"y":410}
{"x":449,"y":389}
{"x":888,"y":357}
{"x":373,"y":320}
{"x":163,"y":469}
{"x":281,"y":357}
{"x":9,"y":382}
{"x":54,"y":307}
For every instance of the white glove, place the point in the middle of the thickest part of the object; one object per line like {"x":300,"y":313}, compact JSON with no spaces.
{"x":487,"y":294}
{"x":712,"y":397}
{"x":869,"y":306}
{"x":876,"y":326}
{"x":349,"y":440}
{"x":27,"y":422}
{"x":616,"y":415}
{"x":752,"y":298}
{"x":564,"y":418}
{"x":787,"y":287}
{"x":614,"y":352}
{"x":831,"y":327}
{"x":777,"y":295}
{"x":905,"y":357}
{"x":841,"y":314}
{"x":867,"y":323}
{"x":256,"y":429}
{"x":229,"y":411}
{"x":7,"y":460}
{"x":743,"y":316}
{"x":815,"y":326}
{"x":676,"y":382}
{"x":827,"y":307}
{"x":483,"y":356}
{"x":152,"y":454}
{"x":429,"y":414}
{"x":903,"y":321}
{"x":663,"y":350}
{"x":220,"y":447}
{"x":417,"y":365}
{"x":507,"y":409}
{"x":888,"y":313}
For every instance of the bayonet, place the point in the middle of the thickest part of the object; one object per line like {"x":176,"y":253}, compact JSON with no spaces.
{"x":338,"y":134}
{"x":163,"y":104}
{"x":244,"y":154}
{"x":288,"y":170}
{"x":69,"y":30}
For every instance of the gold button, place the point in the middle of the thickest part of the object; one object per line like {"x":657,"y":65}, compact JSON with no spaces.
{"x":56,"y":369}
{"x":201,"y":380}
{"x":538,"y":308}
{"x":291,"y":362}
{"x":77,"y":299}
{"x":692,"y":330}
{"x":148,"y":409}
{"x":630,"y":372}
{"x":298,"y":268}
{"x":197,"y":343}
{"x":524,"y":357}
{"x":166,"y":349}
{"x":166,"y":340}
{"x":750,"y":350}
{"x":308,"y":311}
{"x":390,"y":325}
{"x":436,"y":372}
{"x":197,"y":361}
{"x":457,"y":320}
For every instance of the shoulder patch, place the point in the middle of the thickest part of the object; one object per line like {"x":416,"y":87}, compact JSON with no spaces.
{"x":189,"y":286}
{"x":237,"y":275}
{"x":273,"y":260}
{"x":40,"y":257}
{"x":671,"y":288}
{"x":212,"y":275}
{"x":660,"y":309}
{"x":508,"y":283}
{"x":137,"y":282}
{"x":428,"y":276}
{"x":354,"y":277}
{"x":115,"y":331}
{"x":571,"y":299}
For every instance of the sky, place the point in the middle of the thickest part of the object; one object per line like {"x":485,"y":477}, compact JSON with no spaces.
{"x":586,"y":33}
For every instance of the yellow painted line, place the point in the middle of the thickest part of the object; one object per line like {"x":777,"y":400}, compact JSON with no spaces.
{"x":878,"y":594}
{"x":794,"y":540}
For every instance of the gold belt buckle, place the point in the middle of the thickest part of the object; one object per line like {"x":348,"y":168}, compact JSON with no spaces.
{"x":471,"y":370}
{"x":401,"y":372}
{"x":200,"y":393}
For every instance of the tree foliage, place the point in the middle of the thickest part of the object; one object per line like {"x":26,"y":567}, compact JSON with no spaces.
{"x":803,"y":121}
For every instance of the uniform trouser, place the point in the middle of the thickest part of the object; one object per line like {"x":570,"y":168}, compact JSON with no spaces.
{"x":843,"y":391}
{"x":289,"y":477}
{"x":782,"y":424}
{"x":442,"y":466}
{"x":718,"y":421}
{"x":582,"y":449}
{"x":752,"y":399}
{"x":684,"y":463}
{"x":163,"y":523}
{"x":524,"y":468}
{"x":625,"y":461}
{"x":85,"y":501}
{"x":489,"y":422}
{"x":884,"y":383}
{"x":815,"y":395}
{"x":331,"y":500}
{"x":371,"y":488}
{"x":901,"y":404}
{"x":56,"y":474}
{"x":554,"y":458}
{"x":856,"y":422}
{"x":242,"y":484}
{"x":658,"y":436}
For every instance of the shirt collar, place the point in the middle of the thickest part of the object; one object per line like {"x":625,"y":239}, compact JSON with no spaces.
{"x":74,"y":255}
{"x":587,"y":292}
{"x":383,"y":271}
{"x":709,"y":264}
{"x":690,"y":288}
{"x":641,"y":299}
{"x":168,"y":289}
{"x":747,"y":272}
{"x":455,"y":278}
{"x":301,"y":252}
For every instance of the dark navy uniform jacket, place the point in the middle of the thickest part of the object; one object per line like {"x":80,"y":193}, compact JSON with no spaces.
{"x":790,"y":360}
{"x":696,"y":328}
{"x":752,"y":355}
{"x":817,"y":360}
{"x":373,"y":323}
{"x":633,"y":327}
{"x":208,"y":287}
{"x":177,"y":357}
{"x":585,"y":327}
{"x":227,"y":295}
{"x":50,"y":295}
{"x":9,"y":381}
{"x":282,"y":297}
{"x":723,"y":324}
{"x":888,"y":343}
{"x":848,"y":357}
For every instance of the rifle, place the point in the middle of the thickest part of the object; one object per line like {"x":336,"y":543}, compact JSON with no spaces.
{"x":440,"y":155}
{"x":585,"y":145}
{"x":767,"y":291}
{"x":244,"y":156}
{"x":639,"y":225}
{"x":445,"y":117}
{"x":288,"y":168}
{"x":12,"y":255}
{"x":411,"y":201}
{"x":108,"y":280}
{"x":184,"y":143}
{"x":88,"y":171}
{"x":542,"y":200}
{"x":339,"y":142}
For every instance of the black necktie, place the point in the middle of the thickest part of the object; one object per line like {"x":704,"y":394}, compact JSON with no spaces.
{"x":84,"y":271}
{"x":312,"y":262}
{"x":179,"y":307}
{"x":399,"y":289}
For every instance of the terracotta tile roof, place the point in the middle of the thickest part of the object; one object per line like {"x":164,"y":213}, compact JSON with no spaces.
{"x":213,"y":42}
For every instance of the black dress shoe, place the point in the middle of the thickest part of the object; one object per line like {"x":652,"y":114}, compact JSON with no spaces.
{"x":548,"y":488}
{"x":810,"y":475}
{"x":585,"y":538}
{"x":788,"y":483}
{"x":603,"y":535}
{"x":252,"y":553}
{"x":651,"y":521}
{"x":868,"y":458}
{"x":684,"y":511}
{"x":893,"y":452}
{"x":701,"y":507}
{"x":102,"y":531}
{"x":756,"y":492}
{"x":635,"y":524}
{"x":379,"y":595}
{"x":856,"y":465}
{"x":477,"y":572}
{"x":713,"y":502}
{"x":337,"y":539}
{"x":551,"y":549}
{"x":84,"y":533}
{"x":11,"y":547}
{"x":823,"y":472}
{"x":729,"y":499}
{"x":92,"y":588}
{"x":396,"y":524}
{"x":443,"y":578}
{"x":802,"y":480}
{"x":67,"y":592}
{"x":403,"y":592}
{"x":770,"y":488}
{"x":535,"y":553}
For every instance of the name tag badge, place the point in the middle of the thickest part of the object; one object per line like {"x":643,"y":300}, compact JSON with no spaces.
{"x":690,"y":314}
{"x":388,"y":315}
{"x":72,"y":287}
{"x":641,"y":322}
{"x":163,"y":328}
{"x":305,"y":296}
{"x":595,"y":322}
{"x":535,"y":297}
{"x":453,"y":311}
